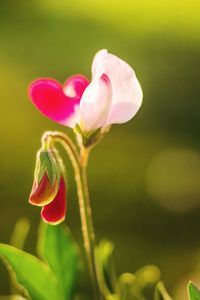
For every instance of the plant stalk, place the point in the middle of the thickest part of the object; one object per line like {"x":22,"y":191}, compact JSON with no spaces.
{"x":79,"y":163}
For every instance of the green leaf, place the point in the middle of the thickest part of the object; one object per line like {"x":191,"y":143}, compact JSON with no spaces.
{"x":33,"y":277}
{"x":18,"y":237}
{"x":57,"y":248}
{"x":106,"y":269}
{"x":160,"y":292}
{"x":193,"y":291}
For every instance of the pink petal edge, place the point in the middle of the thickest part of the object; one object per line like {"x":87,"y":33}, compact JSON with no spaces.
{"x":50,"y":99}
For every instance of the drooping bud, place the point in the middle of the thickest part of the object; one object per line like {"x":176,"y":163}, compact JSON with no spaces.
{"x":46,"y":179}
{"x":54,"y":212}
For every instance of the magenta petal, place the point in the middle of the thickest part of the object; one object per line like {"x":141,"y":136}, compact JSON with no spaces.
{"x":55,"y":211}
{"x":74,"y":86}
{"x":48,"y":96}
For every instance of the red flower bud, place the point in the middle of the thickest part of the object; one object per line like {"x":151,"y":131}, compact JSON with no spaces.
{"x":46,"y":179}
{"x":55,"y":211}
{"x":43,"y":192}
{"x":49,"y":189}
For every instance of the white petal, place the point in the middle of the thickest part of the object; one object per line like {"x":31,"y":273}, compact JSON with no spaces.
{"x":95,"y":104}
{"x":97,"y":64}
{"x":127,"y":92}
{"x":123,"y":111}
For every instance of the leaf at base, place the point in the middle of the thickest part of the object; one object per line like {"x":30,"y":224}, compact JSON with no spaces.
{"x":193,"y":291}
{"x":58,"y":249}
{"x":33,"y":277}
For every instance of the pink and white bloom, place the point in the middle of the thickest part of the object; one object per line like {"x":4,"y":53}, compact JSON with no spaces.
{"x":113,"y":95}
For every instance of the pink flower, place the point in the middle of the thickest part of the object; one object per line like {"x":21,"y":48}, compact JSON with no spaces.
{"x":113,"y":96}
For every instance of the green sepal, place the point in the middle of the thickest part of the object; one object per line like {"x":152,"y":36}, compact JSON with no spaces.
{"x":59,"y":165}
{"x":90,"y":138}
{"x":46,"y":163}
{"x":193,"y":291}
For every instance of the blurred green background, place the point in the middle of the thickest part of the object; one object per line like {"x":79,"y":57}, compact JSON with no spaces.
{"x":145,"y":175}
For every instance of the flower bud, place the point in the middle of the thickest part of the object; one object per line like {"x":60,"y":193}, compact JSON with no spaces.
{"x":54,"y":212}
{"x":47,"y":178}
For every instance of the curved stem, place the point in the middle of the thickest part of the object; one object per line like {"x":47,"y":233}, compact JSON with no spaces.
{"x":79,"y":163}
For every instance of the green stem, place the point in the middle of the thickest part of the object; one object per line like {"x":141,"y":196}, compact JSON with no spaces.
{"x":79,"y":163}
